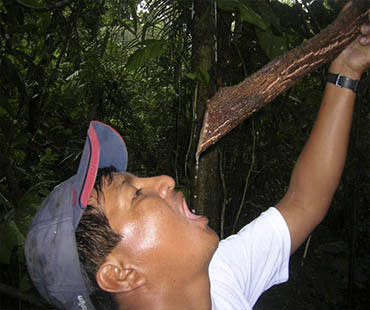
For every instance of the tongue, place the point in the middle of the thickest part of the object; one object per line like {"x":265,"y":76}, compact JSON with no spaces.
{"x":189,"y":214}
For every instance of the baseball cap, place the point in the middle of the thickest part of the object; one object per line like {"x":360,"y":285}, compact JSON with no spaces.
{"x":50,"y":249}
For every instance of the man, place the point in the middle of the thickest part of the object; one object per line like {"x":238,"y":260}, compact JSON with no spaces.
{"x":118,"y":241}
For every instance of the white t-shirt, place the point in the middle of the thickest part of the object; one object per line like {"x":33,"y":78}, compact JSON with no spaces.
{"x":250,"y":262}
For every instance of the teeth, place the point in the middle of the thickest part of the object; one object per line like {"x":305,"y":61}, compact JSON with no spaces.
{"x":192,"y":210}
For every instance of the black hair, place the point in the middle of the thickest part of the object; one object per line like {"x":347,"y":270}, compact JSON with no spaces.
{"x":95,"y":239}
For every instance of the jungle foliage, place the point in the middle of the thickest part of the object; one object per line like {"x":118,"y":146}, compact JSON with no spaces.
{"x":132,"y":64}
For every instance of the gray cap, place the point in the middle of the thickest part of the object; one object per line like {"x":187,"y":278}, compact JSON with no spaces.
{"x":50,"y":249}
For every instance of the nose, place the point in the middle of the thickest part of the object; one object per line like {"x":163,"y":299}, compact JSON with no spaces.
{"x":164,"y":184}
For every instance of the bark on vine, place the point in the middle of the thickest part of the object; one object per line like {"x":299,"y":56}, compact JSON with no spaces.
{"x":231,"y":105}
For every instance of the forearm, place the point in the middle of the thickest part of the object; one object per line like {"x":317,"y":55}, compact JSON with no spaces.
{"x":319,"y":167}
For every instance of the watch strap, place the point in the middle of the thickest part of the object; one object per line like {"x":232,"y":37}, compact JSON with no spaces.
{"x":343,"y":81}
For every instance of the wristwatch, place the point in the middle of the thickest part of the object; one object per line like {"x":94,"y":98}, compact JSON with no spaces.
{"x":343,"y":81}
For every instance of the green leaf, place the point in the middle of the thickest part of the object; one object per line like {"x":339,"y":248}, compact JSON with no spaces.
{"x":227,"y":5}
{"x":199,"y":74}
{"x":250,"y":16}
{"x":2,"y":6}
{"x":2,"y":111}
{"x":327,"y":5}
{"x":19,"y":155}
{"x":20,"y":55}
{"x":5,"y":201}
{"x":246,"y":13}
{"x":25,"y":283}
{"x":32,"y":3}
{"x":151,"y":49}
{"x":271,"y":44}
{"x":10,"y":237}
{"x":203,"y":75}
{"x":191,"y":75}
{"x":73,"y":76}
{"x":133,"y":7}
{"x":5,"y":251}
{"x":268,"y":14}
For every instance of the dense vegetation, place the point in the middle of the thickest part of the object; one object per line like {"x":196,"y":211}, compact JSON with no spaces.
{"x":144,"y":68}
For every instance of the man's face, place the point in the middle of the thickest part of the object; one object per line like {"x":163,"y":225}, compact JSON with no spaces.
{"x":159,"y":233}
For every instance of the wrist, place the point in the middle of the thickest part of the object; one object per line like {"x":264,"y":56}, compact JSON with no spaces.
{"x":339,"y":67}
{"x":342,"y":81}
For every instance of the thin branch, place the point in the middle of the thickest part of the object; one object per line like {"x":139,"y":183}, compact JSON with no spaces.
{"x":192,"y":129}
{"x":306,"y":249}
{"x":225,"y":200}
{"x":253,"y":204}
{"x":246,"y":184}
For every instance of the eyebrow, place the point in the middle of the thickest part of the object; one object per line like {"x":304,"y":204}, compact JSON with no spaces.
{"x":126,"y":179}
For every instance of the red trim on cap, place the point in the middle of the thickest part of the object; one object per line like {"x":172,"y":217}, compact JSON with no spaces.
{"x":73,"y":197}
{"x":92,"y":166}
{"x":111,"y":128}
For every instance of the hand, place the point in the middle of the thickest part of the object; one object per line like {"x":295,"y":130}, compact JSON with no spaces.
{"x":355,"y":58}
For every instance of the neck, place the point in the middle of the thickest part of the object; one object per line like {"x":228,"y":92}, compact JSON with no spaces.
{"x":180,"y":296}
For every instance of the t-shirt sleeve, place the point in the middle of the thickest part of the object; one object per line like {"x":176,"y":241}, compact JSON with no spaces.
{"x":254,"y":259}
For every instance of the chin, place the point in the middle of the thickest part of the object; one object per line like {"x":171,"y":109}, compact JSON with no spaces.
{"x":213,"y":234}
{"x":214,"y":240}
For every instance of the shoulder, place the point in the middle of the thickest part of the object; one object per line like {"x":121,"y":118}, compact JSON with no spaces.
{"x":268,"y":228}
{"x":254,"y":259}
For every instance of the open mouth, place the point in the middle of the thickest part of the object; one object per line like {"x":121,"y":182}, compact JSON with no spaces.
{"x":191,"y":215}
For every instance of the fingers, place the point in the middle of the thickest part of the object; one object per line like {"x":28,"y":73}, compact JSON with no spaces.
{"x":364,"y":39}
{"x":365,"y":29}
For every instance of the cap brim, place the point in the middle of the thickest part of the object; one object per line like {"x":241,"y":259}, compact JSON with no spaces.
{"x":104,"y":147}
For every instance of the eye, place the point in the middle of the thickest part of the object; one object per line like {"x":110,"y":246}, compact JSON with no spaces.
{"x":137,"y":193}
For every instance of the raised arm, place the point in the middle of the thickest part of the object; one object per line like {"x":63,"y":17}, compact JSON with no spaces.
{"x":317,"y":172}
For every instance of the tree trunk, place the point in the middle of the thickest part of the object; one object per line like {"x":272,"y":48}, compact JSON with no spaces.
{"x":231,"y":105}
{"x":205,"y":181}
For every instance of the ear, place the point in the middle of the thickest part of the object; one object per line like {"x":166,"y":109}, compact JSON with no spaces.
{"x":114,"y":278}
